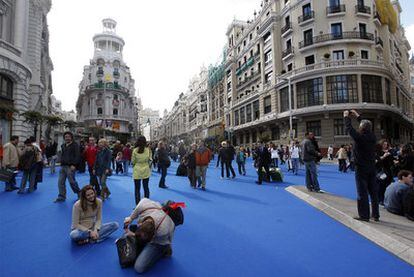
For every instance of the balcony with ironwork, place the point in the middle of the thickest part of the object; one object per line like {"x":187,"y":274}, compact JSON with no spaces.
{"x":335,"y":10}
{"x":248,"y":80}
{"x":333,"y":37}
{"x":377,"y":19}
{"x":306,"y":18}
{"x":379,"y":44}
{"x":287,"y":29}
{"x":287,"y":53}
{"x":362,"y":10}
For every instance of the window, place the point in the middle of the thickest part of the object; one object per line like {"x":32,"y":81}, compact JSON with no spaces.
{"x":308,"y":37}
{"x":289,"y":44}
{"x":99,"y":111}
{"x":310,"y":93}
{"x":314,"y":127}
{"x":236,"y":117}
{"x":287,"y":20}
{"x":6,"y":86}
{"x":254,"y":136}
{"x":242,"y":116}
{"x":268,"y":77}
{"x":266,"y":38}
{"x":338,"y":55}
{"x":7,"y":18}
{"x":256,"y":110}
{"x":275,"y":133}
{"x":371,"y":89}
{"x":268,"y":57}
{"x":290,"y":67}
{"x":251,"y":36}
{"x":249,"y":113}
{"x":342,"y":89}
{"x":115,"y":112}
{"x":334,"y":3}
{"x":306,"y":10}
{"x":267,"y":103}
{"x":229,"y":87}
{"x":310,"y":60}
{"x":364,"y":54}
{"x":336,"y":30}
{"x":363,"y":30}
{"x":339,"y":127}
{"x":284,"y":99}
{"x":387,"y":92}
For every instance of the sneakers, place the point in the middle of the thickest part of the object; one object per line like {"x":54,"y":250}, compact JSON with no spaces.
{"x":163,"y":187}
{"x":59,"y":199}
{"x":361,"y":218}
{"x":203,"y":188}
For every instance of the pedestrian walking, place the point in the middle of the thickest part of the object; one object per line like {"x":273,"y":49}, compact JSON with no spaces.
{"x":89,"y":154}
{"x":365,"y":172}
{"x":262,"y":162}
{"x":342,"y":156}
{"x":295,"y":155}
{"x":164,"y":163}
{"x":119,"y":163}
{"x":27,"y":163}
{"x":203,"y":157}
{"x":141,"y":163}
{"x":102,"y":167}
{"x":241,"y":160}
{"x":69,"y":161}
{"x":126,"y":153}
{"x":190,"y":162}
{"x":51,"y":155}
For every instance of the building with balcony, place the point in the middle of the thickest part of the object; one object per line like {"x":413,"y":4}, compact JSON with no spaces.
{"x":337,"y":55}
{"x":107,"y":102}
{"x":25,"y":65}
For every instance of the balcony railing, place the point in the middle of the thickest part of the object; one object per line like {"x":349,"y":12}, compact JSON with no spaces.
{"x":334,"y":64}
{"x":378,"y":41}
{"x":287,"y":52}
{"x":336,"y":36}
{"x":305,"y":17}
{"x":362,"y":9}
{"x":248,"y":79}
{"x":335,"y":9}
{"x":286,"y":27}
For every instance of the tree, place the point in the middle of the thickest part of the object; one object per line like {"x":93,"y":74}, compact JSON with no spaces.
{"x":51,"y":121}
{"x":33,"y":117}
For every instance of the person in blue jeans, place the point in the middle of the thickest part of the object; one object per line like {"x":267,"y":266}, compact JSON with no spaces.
{"x":154,"y":226}
{"x":310,"y":155}
{"x":87,"y":219}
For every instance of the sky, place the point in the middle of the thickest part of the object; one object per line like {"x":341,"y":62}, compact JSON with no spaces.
{"x":166,"y":42}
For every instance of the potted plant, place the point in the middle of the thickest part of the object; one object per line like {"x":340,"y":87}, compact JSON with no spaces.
{"x":327,"y":55}
{"x":283,"y":71}
{"x":351,"y":54}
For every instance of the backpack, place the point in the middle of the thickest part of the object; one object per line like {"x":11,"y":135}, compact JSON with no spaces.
{"x":27,"y":159}
{"x":174,"y":211}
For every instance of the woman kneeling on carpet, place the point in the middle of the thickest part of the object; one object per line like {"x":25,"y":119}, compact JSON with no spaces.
{"x":156,"y":227}
{"x":87,"y":219}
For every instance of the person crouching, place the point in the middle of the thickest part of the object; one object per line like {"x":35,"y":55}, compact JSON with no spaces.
{"x":154,"y":226}
{"x":87,"y":219}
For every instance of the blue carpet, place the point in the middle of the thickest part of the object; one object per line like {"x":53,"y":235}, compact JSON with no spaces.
{"x":233,"y":228}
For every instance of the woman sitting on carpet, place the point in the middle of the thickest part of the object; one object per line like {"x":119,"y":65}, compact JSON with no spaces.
{"x":87,"y":219}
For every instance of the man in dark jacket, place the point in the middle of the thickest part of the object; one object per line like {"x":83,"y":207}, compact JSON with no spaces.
{"x":310,"y":156}
{"x":69,"y":162}
{"x":364,"y":157}
{"x":263,"y":160}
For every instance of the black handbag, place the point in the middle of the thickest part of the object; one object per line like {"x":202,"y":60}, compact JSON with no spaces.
{"x":6,"y":175}
{"x":127,"y":250}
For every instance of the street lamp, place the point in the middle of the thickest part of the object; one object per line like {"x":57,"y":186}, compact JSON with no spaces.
{"x":290,"y":106}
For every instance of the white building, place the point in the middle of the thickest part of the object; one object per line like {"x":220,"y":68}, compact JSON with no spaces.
{"x":107,"y":101}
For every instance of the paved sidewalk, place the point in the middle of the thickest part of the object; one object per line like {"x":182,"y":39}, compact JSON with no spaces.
{"x":393,"y":233}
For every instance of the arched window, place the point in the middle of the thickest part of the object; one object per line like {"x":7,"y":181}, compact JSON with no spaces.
{"x":115,"y":112}
{"x":99,"y":110}
{"x":6,"y":87}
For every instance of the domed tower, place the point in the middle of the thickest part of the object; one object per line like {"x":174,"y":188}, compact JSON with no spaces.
{"x":107,"y":100}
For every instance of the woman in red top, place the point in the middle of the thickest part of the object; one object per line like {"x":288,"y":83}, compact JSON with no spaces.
{"x":126,"y":153}
{"x":90,"y":156}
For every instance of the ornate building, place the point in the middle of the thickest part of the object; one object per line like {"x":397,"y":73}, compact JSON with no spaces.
{"x":25,"y":65}
{"x":336,"y":55}
{"x":107,"y":101}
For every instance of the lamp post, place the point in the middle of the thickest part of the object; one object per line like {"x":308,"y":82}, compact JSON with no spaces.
{"x":288,"y":79}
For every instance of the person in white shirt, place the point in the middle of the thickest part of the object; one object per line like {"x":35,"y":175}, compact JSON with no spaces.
{"x":330,"y":152}
{"x":294,"y":156}
{"x":274,"y":155}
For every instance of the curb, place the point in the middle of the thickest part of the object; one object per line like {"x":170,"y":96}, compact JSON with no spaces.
{"x":392,"y":245}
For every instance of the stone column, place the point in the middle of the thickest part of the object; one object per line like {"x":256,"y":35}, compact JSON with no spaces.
{"x":20,"y":24}
{"x":359,"y":86}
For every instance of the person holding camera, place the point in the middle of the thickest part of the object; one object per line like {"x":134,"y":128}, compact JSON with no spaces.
{"x":311,"y":156}
{"x":154,"y":227}
{"x":365,"y":171}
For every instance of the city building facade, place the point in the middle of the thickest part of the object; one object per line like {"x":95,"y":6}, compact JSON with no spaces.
{"x":25,"y":65}
{"x":107,"y":103}
{"x":336,"y":55}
